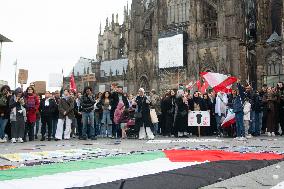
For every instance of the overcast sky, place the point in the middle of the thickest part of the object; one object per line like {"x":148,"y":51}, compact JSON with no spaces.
{"x":49,"y":35}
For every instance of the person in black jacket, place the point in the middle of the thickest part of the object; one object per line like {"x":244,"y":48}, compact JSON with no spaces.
{"x":256,"y":106}
{"x":196,"y":104}
{"x":117,"y":96}
{"x":47,"y":109}
{"x":78,"y":114}
{"x":181,"y":117}
{"x":144,"y":121}
{"x":168,"y":109}
{"x":208,"y":131}
{"x":4,"y":110}
{"x":87,"y":102}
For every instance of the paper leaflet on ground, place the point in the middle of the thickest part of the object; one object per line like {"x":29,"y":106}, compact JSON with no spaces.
{"x":182,"y":141}
{"x":72,"y":153}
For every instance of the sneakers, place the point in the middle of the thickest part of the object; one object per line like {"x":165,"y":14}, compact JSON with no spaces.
{"x":273,"y":134}
{"x":242,"y":139}
{"x":13,"y":140}
{"x":249,"y":136}
{"x":20,"y":140}
{"x":269,"y":134}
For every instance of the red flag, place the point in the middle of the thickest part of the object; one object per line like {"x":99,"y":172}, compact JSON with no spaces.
{"x":219,"y":82}
{"x":73,"y":84}
{"x":204,"y":87}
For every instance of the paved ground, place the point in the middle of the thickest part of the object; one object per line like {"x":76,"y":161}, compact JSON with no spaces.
{"x":258,"y":179}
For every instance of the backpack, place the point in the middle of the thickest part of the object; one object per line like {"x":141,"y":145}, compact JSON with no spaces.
{"x":3,"y":100}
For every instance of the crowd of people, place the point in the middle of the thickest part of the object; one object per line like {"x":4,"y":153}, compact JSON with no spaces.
{"x":114,"y":114}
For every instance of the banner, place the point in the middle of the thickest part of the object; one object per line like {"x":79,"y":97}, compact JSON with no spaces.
{"x":23,"y":76}
{"x":55,"y":80}
{"x":40,"y":87}
{"x":198,"y":118}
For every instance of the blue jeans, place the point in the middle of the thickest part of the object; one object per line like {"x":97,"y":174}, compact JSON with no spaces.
{"x":3,"y":123}
{"x":155,"y":128}
{"x":255,"y":125}
{"x":37,"y":123}
{"x":240,"y":124}
{"x":88,"y":118}
{"x":260,"y":121}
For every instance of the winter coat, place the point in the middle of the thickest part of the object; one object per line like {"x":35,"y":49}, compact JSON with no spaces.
{"x":87,"y":103}
{"x":238,"y":101}
{"x":144,"y":108}
{"x":256,"y":103}
{"x":115,"y":101}
{"x":156,"y":103}
{"x":118,"y":113}
{"x":18,"y":112}
{"x":47,"y":109}
{"x":199,"y":101}
{"x":32,"y":104}
{"x":5,"y":109}
{"x":66,"y":105}
{"x":181,"y":119}
{"x":247,"y":110}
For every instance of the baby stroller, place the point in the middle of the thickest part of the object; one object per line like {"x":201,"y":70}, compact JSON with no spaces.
{"x":132,"y":130}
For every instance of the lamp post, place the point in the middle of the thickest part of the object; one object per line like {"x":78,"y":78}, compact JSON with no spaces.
{"x":16,"y":65}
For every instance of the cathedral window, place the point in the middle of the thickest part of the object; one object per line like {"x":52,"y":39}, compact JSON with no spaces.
{"x":210,"y":21}
{"x":178,"y":11}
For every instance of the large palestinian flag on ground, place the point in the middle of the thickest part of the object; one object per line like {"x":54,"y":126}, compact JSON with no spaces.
{"x":158,"y":170}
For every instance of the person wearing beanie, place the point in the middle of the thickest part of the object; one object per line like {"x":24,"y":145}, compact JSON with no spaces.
{"x":17,"y":116}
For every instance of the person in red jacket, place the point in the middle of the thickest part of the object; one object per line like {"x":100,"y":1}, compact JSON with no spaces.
{"x":32,"y":106}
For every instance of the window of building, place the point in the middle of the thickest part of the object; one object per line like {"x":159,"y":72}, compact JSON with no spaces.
{"x":210,"y":17}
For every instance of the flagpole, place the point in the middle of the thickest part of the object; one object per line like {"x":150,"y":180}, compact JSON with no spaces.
{"x":16,"y":64}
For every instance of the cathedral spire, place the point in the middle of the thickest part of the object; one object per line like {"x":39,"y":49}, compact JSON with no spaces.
{"x":100,"y":28}
{"x":116,"y":19}
{"x":106,"y":27}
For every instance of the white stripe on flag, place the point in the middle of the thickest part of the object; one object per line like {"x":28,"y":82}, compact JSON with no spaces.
{"x":96,"y":176}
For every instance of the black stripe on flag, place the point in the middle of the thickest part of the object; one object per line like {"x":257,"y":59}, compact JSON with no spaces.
{"x":189,"y":177}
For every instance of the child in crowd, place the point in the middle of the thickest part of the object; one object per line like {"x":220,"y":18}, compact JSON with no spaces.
{"x":247,"y":120}
{"x":121,"y":117}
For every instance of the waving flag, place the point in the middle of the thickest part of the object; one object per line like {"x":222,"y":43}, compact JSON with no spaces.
{"x":218,"y":82}
{"x":72,"y":83}
{"x":229,"y":120}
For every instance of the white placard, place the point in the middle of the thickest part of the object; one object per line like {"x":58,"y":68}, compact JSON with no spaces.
{"x":171,"y":51}
{"x":102,"y":88}
{"x":198,"y":118}
{"x":55,"y":80}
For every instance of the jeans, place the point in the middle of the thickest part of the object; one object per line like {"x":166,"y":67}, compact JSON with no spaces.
{"x":88,"y":118}
{"x":3,"y":123}
{"x":155,"y":128}
{"x":260,"y":120}
{"x":36,"y":129}
{"x":30,"y":131}
{"x":240,"y":124}
{"x":255,"y":124}
{"x":54,"y":127}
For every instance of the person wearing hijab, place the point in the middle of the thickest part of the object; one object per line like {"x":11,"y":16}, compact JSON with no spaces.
{"x":144,"y":119}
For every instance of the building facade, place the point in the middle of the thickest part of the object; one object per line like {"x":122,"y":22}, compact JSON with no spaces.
{"x":240,"y":38}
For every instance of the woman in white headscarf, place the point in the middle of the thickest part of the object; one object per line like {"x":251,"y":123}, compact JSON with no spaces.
{"x":143,"y":119}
